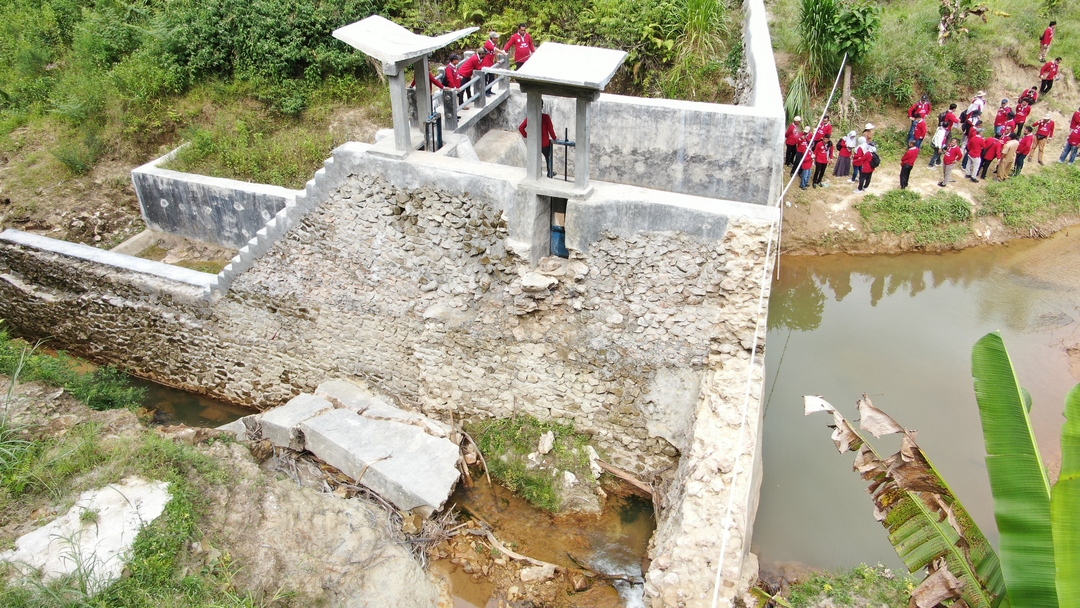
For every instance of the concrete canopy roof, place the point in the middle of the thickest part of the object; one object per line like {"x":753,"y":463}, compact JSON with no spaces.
{"x":568,"y":65}
{"x":390,"y":43}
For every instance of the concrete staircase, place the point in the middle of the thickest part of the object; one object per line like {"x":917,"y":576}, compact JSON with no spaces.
{"x":405,"y":457}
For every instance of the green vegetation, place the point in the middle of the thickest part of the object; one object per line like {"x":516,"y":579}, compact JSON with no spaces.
{"x":860,"y":586}
{"x":1039,"y":562}
{"x":940,"y":219}
{"x":506,"y":444}
{"x":1027,"y":201}
{"x":105,"y":388}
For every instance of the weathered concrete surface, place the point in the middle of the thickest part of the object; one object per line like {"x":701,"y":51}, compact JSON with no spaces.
{"x":225,"y":212}
{"x":279,"y":425}
{"x":98,"y":543}
{"x":348,"y":395}
{"x":402,"y":463}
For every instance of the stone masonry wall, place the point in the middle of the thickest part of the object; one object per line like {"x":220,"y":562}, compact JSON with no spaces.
{"x":414,"y":292}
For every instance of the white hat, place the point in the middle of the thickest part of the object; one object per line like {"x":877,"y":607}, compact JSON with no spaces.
{"x":980,"y":94}
{"x":868,"y":126}
{"x":797,"y":119}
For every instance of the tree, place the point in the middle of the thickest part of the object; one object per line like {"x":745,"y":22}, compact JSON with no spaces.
{"x":831,"y":29}
{"x":854,"y":29}
{"x":953,"y":15}
{"x":1039,"y":564}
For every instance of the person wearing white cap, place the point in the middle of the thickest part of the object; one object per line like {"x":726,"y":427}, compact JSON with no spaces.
{"x":791,"y":140}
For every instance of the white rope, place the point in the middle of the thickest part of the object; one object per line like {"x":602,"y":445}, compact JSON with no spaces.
{"x":775,"y":231}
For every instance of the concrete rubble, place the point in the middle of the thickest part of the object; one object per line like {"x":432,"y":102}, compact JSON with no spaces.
{"x":405,"y":457}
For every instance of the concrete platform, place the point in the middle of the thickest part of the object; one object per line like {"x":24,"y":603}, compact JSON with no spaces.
{"x":279,"y":425}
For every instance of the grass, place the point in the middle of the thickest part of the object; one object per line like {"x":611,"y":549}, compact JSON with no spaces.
{"x":102,"y":389}
{"x":506,"y":444}
{"x":1027,"y":201}
{"x":861,"y":586}
{"x":941,"y":219}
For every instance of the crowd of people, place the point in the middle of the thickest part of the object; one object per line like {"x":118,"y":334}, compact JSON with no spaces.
{"x":969,"y":140}
{"x":458,"y":75}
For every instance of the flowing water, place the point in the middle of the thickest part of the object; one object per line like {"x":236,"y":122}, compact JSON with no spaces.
{"x":901,"y":328}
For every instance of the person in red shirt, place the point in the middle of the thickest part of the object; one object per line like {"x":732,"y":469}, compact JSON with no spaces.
{"x":1022,"y":112}
{"x":800,"y":148}
{"x":866,"y":171}
{"x":974,"y":150}
{"x":1048,"y":74}
{"x":806,"y":157}
{"x":1031,"y":95}
{"x":547,"y":136}
{"x":991,"y":152}
{"x":952,"y":155}
{"x":844,"y":147}
{"x":921,"y":108}
{"x":468,"y":68}
{"x":1044,"y":131}
{"x":825,"y":130}
{"x":1075,"y":122}
{"x":491,"y":45}
{"x":823,"y":152}
{"x":522,"y":44}
{"x":1047,"y":38}
{"x":920,"y":130}
{"x":907,"y":162}
{"x":1027,"y":141}
{"x":1072,"y":145}
{"x":1002,"y":116}
{"x":791,"y":140}
{"x":948,"y":120}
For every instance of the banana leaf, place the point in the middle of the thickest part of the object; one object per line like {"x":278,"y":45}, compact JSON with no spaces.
{"x":927,"y":525}
{"x":1065,"y":507}
{"x":1018,"y":477}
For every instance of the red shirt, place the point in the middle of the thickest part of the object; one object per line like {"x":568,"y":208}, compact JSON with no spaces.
{"x":975,"y":145}
{"x":842,"y":148}
{"x":1025,"y":144}
{"x":951,"y":119}
{"x":1075,"y":120}
{"x":523,"y":47}
{"x":489,"y":59}
{"x":866,"y":166}
{"x":822,"y":153}
{"x":466,"y":68}
{"x":1022,"y":112}
{"x":923,"y":107}
{"x":1074,"y":137}
{"x":823,"y":131}
{"x":1045,"y":128}
{"x":452,"y":79}
{"x":910,"y":157}
{"x":857,"y":157}
{"x":792,"y":135}
{"x":547,"y":130}
{"x":952,"y":154}
{"x":1030,"y":95}
{"x":1049,"y":71}
{"x":431,"y":79}
{"x":1048,"y":35}
{"x":991,"y":148}
{"x":1002,"y":116}
{"x":1008,"y":127}
{"x":920,"y":129}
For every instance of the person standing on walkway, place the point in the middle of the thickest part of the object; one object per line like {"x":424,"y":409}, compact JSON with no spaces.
{"x":844,"y":148}
{"x":791,"y":140}
{"x":547,"y":136}
{"x":974,"y":153}
{"x":523,"y":46}
{"x":1072,"y":145}
{"x":823,"y":152}
{"x":907,"y":162}
{"x":866,"y":172}
{"x":1048,"y":74}
{"x":1046,"y":40}
{"x":857,"y":159}
{"x":1008,"y":157}
{"x":921,"y":108}
{"x":952,"y":155}
{"x":491,"y":45}
{"x":1044,"y":131}
{"x":1027,"y":142}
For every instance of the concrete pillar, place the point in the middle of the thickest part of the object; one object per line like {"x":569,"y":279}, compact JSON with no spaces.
{"x":423,"y":90}
{"x":533,"y":159}
{"x":581,"y":144}
{"x":399,"y":105}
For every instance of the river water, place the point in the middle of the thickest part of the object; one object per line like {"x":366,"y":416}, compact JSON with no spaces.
{"x":900,"y":328}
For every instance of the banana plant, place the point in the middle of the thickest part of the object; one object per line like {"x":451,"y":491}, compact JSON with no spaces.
{"x":1039,"y":566}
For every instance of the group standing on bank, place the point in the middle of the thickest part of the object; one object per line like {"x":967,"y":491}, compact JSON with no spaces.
{"x":969,"y":140}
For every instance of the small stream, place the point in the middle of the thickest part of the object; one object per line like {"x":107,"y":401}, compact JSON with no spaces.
{"x":901,"y":328}
{"x":174,"y":406}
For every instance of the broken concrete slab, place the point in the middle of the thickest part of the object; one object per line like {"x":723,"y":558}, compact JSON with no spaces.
{"x":95,"y":534}
{"x":402,"y":463}
{"x":358,"y":399}
{"x":279,"y":425}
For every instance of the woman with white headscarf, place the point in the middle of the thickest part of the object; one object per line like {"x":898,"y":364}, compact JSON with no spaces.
{"x":857,"y":158}
{"x":844,"y":147}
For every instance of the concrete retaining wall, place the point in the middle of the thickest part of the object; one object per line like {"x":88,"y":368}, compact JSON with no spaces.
{"x":225,"y":212}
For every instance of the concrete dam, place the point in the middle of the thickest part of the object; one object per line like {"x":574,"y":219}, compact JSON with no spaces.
{"x":430,"y":277}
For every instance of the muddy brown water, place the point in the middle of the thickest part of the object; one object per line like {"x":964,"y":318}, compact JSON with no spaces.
{"x":174,"y":406}
{"x":614,"y":542}
{"x":901,"y":328}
